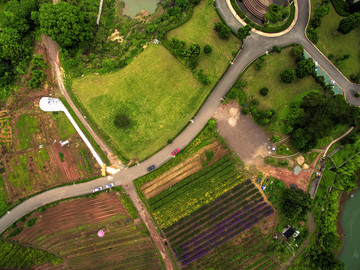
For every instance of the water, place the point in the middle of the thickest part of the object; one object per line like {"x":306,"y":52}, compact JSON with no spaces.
{"x":133,"y":7}
{"x":350,"y":221}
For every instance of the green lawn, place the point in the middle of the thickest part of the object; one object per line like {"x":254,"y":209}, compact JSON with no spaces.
{"x":200,"y":29}
{"x":157,"y":93}
{"x":280,"y":94}
{"x":332,"y":42}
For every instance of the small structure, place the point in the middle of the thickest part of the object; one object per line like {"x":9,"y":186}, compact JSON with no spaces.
{"x":101,"y":233}
{"x":64,"y":142}
{"x":263,"y":187}
{"x":156,"y":41}
{"x":288,"y":231}
{"x":297,"y":170}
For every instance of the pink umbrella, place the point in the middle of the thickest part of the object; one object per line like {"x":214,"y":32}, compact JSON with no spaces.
{"x":101,"y":233}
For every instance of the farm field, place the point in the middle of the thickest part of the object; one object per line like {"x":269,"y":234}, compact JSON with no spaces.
{"x":280,"y":94}
{"x":32,"y":158}
{"x":64,"y":230}
{"x":200,"y":30}
{"x":334,"y":43}
{"x":193,"y":192}
{"x":216,"y":223}
{"x":16,"y":256}
{"x":157,"y":103}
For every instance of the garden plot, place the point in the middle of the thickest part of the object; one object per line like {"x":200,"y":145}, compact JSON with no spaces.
{"x":70,"y":230}
{"x":214,"y":224}
{"x":195,"y":191}
{"x":34,"y":160}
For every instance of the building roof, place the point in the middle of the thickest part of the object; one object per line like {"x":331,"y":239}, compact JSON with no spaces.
{"x":289,"y":232}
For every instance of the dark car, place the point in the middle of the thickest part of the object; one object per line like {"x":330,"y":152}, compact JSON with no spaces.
{"x":151,"y":168}
{"x":175,"y":152}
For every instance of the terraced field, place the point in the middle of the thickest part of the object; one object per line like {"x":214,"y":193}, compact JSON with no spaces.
{"x":214,"y":224}
{"x":70,"y":230}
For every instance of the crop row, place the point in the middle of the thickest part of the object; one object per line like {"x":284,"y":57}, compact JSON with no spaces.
{"x":225,"y":235}
{"x":202,"y":218}
{"x":189,"y":179}
{"x":15,"y":256}
{"x":231,"y":254}
{"x":219,"y":174}
{"x":225,"y":198}
{"x":193,"y":231}
{"x":241,"y":216}
{"x":194,"y":199}
{"x":189,"y":182}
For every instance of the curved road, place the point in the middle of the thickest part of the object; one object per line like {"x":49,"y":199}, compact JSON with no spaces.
{"x":254,"y":46}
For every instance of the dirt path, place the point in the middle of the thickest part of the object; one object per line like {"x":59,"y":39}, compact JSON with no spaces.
{"x":52,"y":51}
{"x":305,"y":244}
{"x":334,"y":141}
{"x":144,"y":215}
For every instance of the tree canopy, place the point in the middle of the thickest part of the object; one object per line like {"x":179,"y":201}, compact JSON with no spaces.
{"x":66,"y":24}
{"x":294,"y":203}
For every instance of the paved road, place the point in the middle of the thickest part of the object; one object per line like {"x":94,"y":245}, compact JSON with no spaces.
{"x":254,"y":46}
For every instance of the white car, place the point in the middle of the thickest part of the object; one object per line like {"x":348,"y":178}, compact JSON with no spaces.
{"x":97,"y":189}
{"x":109,"y":185}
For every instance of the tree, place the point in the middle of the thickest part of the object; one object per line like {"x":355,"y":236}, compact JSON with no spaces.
{"x":10,"y":47}
{"x":207,"y":49}
{"x":66,"y":24}
{"x":297,"y":50}
{"x":243,"y":32}
{"x":264,"y":91}
{"x":288,"y":75}
{"x":302,"y":140}
{"x":304,"y":68}
{"x":223,"y":30}
{"x":350,"y":23}
{"x":294,"y":203}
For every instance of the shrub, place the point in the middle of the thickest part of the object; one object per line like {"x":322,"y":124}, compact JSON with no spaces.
{"x":276,"y":49}
{"x":312,"y":35}
{"x":288,"y":75}
{"x":275,"y":138}
{"x":264,"y":91}
{"x":245,"y":111}
{"x":243,"y":32}
{"x":205,"y":79}
{"x":209,"y":155}
{"x":61,"y":155}
{"x":223,"y":30}
{"x":259,"y":63}
{"x":207,"y":49}
{"x":304,"y":68}
{"x":30,"y":222}
{"x":297,"y":50}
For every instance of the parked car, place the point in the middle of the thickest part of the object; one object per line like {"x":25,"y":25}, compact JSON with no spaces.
{"x":97,"y":189}
{"x":175,"y":152}
{"x":152,"y":167}
{"x":109,"y":185}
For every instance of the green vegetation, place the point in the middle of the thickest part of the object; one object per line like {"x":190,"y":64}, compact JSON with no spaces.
{"x":268,"y":27}
{"x":16,"y":42}
{"x":127,"y":203}
{"x":349,"y":151}
{"x":277,"y":13}
{"x":37,"y":71}
{"x":31,"y":222}
{"x":16,"y":256}
{"x":19,"y":177}
{"x":281,"y":94}
{"x":199,"y":29}
{"x":157,"y":111}
{"x":336,"y":45}
{"x":26,"y":126}
{"x":61,"y":155}
{"x":3,"y":197}
{"x":65,"y":128}
{"x":67,"y":24}
{"x":87,"y":164}
{"x":194,"y":192}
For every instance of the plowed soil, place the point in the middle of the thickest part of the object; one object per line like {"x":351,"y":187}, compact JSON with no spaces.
{"x":190,"y":166}
{"x":70,"y":228}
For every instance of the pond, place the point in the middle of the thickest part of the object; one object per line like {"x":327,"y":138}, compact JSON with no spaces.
{"x":133,"y":7}
{"x":350,"y":221}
